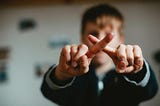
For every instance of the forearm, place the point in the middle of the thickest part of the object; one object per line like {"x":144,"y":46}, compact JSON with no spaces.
{"x":53,"y":92}
{"x":145,"y":83}
{"x":151,"y":89}
{"x":141,"y":78}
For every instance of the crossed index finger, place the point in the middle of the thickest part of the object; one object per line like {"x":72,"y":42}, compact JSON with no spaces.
{"x":99,"y":46}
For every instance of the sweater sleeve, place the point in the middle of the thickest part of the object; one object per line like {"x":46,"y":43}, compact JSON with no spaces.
{"x":55,"y":84}
{"x":141,"y":78}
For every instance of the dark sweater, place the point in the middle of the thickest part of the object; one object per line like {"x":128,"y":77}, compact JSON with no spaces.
{"x":117,"y":91}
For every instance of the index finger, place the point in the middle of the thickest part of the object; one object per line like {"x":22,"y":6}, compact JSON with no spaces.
{"x":99,"y":46}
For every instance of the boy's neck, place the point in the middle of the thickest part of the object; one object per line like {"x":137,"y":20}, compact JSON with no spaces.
{"x":104,"y":68}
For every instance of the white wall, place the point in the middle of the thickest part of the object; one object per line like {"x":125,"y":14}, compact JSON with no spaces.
{"x":28,"y":48}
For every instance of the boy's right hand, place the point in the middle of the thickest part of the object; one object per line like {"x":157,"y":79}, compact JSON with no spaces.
{"x":75,"y":59}
{"x":73,"y":62}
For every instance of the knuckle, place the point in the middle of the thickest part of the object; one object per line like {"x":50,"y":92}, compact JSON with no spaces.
{"x":136,"y":46}
{"x":137,"y":57}
{"x":130,"y":58}
{"x":122,"y":45}
{"x":65,"y":48}
{"x":121,"y":57}
{"x":129,"y":46}
{"x":74,"y":48}
{"x":83,"y":46}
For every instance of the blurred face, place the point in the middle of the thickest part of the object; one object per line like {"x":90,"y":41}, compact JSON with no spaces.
{"x":103,"y":25}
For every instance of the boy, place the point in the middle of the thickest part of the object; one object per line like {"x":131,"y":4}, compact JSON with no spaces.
{"x":102,"y":71}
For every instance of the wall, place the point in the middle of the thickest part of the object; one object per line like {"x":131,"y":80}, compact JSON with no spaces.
{"x":30,"y":47}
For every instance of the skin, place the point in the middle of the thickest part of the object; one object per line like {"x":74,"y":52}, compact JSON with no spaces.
{"x":102,"y":50}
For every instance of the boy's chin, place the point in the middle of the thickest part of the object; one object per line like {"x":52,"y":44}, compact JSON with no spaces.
{"x":98,"y":61}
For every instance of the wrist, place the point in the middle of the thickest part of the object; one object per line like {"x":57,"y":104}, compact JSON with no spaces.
{"x":60,"y":75}
{"x":57,"y":81}
{"x":138,"y":76}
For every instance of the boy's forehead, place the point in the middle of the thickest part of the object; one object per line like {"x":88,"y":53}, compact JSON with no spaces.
{"x":103,"y":21}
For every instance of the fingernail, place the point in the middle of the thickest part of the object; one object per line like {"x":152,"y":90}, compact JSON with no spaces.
{"x":124,"y":61}
{"x":122,"y":65}
{"x":74,"y":64}
{"x":138,"y":61}
{"x":137,"y":67}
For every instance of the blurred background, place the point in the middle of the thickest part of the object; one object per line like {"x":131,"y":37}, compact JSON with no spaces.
{"x":32,"y":33}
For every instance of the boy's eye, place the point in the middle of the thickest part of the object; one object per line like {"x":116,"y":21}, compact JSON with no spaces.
{"x":94,"y":33}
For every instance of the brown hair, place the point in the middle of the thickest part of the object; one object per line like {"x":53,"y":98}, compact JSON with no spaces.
{"x":91,"y":14}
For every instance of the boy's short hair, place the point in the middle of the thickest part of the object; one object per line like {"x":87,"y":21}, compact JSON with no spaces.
{"x":91,"y":14}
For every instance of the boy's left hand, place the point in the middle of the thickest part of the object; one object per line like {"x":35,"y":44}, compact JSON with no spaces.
{"x":127,"y":58}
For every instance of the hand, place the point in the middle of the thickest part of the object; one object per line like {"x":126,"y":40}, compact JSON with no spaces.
{"x":75,"y":59}
{"x":73,"y":62}
{"x":127,"y":58}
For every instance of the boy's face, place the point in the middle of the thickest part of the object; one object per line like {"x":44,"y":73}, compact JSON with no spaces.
{"x":103,"y":25}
